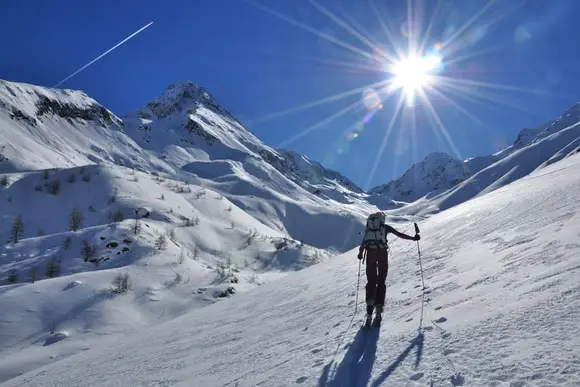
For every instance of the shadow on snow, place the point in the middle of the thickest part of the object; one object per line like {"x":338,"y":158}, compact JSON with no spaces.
{"x":356,"y":367}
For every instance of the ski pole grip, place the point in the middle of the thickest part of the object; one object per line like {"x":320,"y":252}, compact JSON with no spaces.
{"x":416,"y":228}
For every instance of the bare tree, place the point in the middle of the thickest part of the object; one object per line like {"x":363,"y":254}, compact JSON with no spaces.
{"x":75,"y":220}
{"x":113,"y":197}
{"x":161,"y":242}
{"x":89,"y":250}
{"x":12,"y":275}
{"x":17,"y":229}
{"x":136,"y":227}
{"x":32,"y":274}
{"x":53,"y":267}
{"x":121,"y":283}
{"x":54,"y":187}
{"x":67,"y":242}
{"x":117,"y":216}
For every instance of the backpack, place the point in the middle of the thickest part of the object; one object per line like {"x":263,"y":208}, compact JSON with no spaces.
{"x":375,"y":232}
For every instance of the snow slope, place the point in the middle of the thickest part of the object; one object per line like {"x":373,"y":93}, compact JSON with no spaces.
{"x":213,"y":251}
{"x":437,"y":172}
{"x":440,"y":172}
{"x":182,"y":135}
{"x":49,"y":128}
{"x":236,"y":213}
{"x":501,"y":308}
{"x":515,"y":166}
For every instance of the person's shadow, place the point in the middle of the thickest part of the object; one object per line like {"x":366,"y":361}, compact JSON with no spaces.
{"x":357,"y":365}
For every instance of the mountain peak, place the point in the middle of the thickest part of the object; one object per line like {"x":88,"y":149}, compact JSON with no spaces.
{"x":179,"y":96}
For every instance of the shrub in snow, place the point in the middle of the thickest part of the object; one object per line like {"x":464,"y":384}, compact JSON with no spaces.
{"x":38,"y":187}
{"x":178,"y":278}
{"x":17,"y":229}
{"x":113,"y":197}
{"x":86,"y":178}
{"x":121,"y":283}
{"x":162,"y":197}
{"x":53,"y":267}
{"x":136,"y":227}
{"x":161,"y":242}
{"x":12,"y":275}
{"x":199,"y":194}
{"x":250,"y":237}
{"x":89,"y":251}
{"x":40,"y":232}
{"x":67,"y":242}
{"x":226,"y":293}
{"x":72,"y":178}
{"x":75,"y":220}
{"x":46,"y":174}
{"x":91,"y":208}
{"x":171,"y":234}
{"x":82,"y":170}
{"x":4,"y":181}
{"x":117,"y":216}
{"x":187,"y":222}
{"x":32,"y":275}
{"x":54,"y":187}
{"x":181,"y":257}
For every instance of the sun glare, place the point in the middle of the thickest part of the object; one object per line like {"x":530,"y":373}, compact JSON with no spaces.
{"x":414,"y":73}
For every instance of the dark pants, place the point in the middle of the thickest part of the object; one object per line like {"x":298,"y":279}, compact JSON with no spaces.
{"x":377,"y":269}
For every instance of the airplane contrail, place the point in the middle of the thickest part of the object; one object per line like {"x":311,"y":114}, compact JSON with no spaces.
{"x":102,"y":55}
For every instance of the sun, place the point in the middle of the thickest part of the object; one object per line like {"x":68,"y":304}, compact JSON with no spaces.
{"x":414,"y":73}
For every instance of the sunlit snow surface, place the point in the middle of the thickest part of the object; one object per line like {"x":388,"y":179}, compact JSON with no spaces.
{"x":501,"y":308}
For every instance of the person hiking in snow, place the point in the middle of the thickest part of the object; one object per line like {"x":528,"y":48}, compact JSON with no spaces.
{"x":375,"y":245}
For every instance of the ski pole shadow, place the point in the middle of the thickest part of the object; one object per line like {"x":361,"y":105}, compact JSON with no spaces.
{"x":416,"y":342}
{"x":356,"y":367}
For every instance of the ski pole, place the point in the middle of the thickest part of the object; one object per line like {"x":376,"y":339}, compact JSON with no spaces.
{"x":357,"y":286}
{"x":419,"y":252}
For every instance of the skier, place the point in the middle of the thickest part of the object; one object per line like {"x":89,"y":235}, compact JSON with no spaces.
{"x":377,"y":266}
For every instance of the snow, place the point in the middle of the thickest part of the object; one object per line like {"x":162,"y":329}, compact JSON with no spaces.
{"x":440,"y":172}
{"x":256,"y":282}
{"x":437,"y":171}
{"x":501,"y":308}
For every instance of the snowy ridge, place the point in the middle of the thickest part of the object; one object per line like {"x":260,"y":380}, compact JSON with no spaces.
{"x":440,"y":172}
{"x":501,"y":307}
{"x":437,"y":172}
{"x":186,"y":124}
{"x":47,"y":128}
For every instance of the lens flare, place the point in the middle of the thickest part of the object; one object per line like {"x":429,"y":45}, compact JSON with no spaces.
{"x":371,"y":99}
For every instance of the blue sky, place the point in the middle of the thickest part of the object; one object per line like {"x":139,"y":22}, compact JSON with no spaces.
{"x":514,"y":66}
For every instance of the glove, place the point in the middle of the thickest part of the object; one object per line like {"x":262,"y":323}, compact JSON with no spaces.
{"x":359,"y":256}
{"x":417,"y":237}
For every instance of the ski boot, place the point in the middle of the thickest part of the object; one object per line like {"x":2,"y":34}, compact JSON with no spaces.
{"x":369,"y":317}
{"x":378,"y":316}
